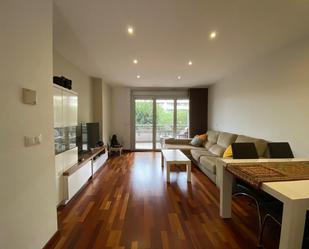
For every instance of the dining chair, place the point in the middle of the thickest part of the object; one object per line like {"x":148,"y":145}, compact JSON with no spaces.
{"x":248,"y":151}
{"x":280,"y":150}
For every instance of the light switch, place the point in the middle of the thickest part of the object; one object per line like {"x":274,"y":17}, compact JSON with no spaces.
{"x":30,"y":141}
{"x":29,"y":96}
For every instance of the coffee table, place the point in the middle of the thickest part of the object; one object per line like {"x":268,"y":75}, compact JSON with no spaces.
{"x":172,"y":156}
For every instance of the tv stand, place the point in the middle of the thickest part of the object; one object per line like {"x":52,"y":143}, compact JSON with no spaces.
{"x":78,"y":175}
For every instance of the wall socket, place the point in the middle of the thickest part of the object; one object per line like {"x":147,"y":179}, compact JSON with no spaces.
{"x":30,"y":141}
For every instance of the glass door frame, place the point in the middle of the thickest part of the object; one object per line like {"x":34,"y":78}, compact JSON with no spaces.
{"x":133,"y":117}
{"x":154,"y":118}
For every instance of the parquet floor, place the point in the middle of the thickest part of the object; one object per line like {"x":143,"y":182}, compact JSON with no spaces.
{"x":129,"y":205}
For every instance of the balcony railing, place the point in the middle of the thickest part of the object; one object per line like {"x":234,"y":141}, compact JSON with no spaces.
{"x":143,"y":133}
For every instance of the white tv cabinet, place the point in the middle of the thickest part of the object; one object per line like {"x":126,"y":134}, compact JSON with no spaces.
{"x":78,"y":175}
{"x":65,"y":115}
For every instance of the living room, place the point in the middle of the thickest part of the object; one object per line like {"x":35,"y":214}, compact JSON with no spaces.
{"x":195,"y":78}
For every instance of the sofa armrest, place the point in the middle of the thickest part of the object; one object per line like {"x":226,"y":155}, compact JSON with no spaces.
{"x":177,"y":140}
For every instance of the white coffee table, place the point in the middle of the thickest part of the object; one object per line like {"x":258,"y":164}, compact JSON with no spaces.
{"x":175,"y":157}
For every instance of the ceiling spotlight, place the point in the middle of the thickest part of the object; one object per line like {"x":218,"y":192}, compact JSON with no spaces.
{"x":135,"y":61}
{"x":213,"y":35}
{"x":190,"y":63}
{"x":138,"y":76}
{"x":130,"y":30}
{"x":179,"y":77}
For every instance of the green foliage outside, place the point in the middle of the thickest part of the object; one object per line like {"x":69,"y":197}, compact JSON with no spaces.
{"x":144,"y":115}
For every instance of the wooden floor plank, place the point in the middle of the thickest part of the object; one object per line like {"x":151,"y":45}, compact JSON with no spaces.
{"x":128,"y":204}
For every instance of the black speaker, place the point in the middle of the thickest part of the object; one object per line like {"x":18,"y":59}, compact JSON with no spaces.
{"x":62,"y":81}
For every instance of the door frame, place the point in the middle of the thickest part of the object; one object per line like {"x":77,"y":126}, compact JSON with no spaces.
{"x":154,"y":117}
{"x":133,"y":131}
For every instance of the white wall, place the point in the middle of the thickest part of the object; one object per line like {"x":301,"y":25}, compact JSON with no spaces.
{"x":102,"y":104}
{"x":106,"y":112}
{"x":269,"y":99}
{"x":81,"y":83}
{"x":121,"y":108}
{"x":28,"y":216}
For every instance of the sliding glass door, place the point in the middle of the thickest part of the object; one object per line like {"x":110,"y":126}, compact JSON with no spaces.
{"x":182,"y":118}
{"x":157,"y":119}
{"x":143,"y":124}
{"x":164,"y":120}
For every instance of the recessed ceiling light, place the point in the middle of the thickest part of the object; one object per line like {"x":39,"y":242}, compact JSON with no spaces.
{"x":190,"y":63}
{"x":138,"y":76}
{"x":130,"y":30}
{"x":135,"y":61}
{"x":179,"y":78}
{"x":213,"y":35}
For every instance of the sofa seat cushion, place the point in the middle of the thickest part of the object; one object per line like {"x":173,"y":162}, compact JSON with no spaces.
{"x":209,"y":163}
{"x":260,"y":144}
{"x":196,"y":154}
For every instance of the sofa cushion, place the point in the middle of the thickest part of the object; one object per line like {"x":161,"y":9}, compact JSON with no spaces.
{"x":212,"y":138}
{"x":208,"y":163}
{"x":225,"y":139}
{"x":217,"y":150}
{"x":196,"y":154}
{"x":260,"y":144}
{"x":183,"y":146}
{"x":197,"y":141}
{"x":177,"y":141}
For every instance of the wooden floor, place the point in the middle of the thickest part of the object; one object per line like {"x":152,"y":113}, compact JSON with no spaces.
{"x":129,"y":205}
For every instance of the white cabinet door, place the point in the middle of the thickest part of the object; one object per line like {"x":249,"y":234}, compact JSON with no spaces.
{"x":57,"y":98}
{"x":73,"y":103}
{"x":70,"y":107}
{"x":59,"y":178}
{"x":74,"y":182}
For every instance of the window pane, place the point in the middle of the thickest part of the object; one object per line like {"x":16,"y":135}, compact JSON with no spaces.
{"x":143,"y":123}
{"x":165,"y":120}
{"x":182,"y":124}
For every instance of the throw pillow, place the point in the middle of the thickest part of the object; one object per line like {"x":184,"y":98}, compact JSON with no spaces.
{"x":228,"y":152}
{"x":196,"y":141}
{"x":204,"y":138}
{"x":199,"y":140}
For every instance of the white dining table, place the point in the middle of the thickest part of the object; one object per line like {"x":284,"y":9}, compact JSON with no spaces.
{"x":293,"y":194}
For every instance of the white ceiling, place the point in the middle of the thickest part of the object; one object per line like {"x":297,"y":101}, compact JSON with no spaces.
{"x":168,"y":33}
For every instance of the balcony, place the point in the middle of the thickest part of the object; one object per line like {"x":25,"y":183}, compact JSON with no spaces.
{"x":144,"y":135}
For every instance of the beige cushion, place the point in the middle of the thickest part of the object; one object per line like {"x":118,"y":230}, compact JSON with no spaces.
{"x":225,"y":139}
{"x":208,"y":163}
{"x":177,"y":141}
{"x":196,"y":154}
{"x":217,"y":150}
{"x":183,"y":146}
{"x":260,"y":144}
{"x":212,"y":138}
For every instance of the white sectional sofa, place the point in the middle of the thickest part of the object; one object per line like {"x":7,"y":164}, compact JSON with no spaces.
{"x":206,"y":156}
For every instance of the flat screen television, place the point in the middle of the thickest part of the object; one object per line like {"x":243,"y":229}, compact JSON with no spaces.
{"x":88,"y":136}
